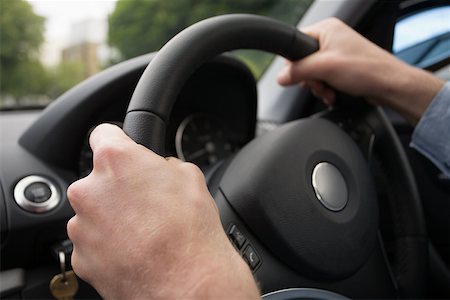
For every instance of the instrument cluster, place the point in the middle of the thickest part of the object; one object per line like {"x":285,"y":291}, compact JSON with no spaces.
{"x":213,"y":117}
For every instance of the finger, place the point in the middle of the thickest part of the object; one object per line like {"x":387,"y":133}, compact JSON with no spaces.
{"x":317,"y":66}
{"x":312,"y":30}
{"x":104,"y":133}
{"x":328,"y":96}
{"x":287,"y":62}
{"x":109,"y":145}
{"x":285,"y":76}
{"x":322,"y":91}
{"x":113,"y":149}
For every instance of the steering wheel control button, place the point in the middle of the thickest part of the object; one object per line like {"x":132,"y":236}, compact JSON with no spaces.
{"x":36,"y":194}
{"x":251,"y":257}
{"x":330,"y":186}
{"x":236,"y":236}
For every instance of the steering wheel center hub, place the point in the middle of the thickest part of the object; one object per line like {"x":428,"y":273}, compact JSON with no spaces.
{"x":275,"y":182}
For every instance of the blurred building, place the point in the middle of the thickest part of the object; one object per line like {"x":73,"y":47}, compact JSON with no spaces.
{"x":87,"y":46}
{"x":86,"y":54}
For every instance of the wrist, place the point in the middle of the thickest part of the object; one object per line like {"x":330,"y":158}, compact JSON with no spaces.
{"x":227,"y":277}
{"x":206,"y":273}
{"x":410,"y":91}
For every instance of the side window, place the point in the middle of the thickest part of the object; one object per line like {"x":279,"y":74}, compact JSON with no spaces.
{"x":422,"y":39}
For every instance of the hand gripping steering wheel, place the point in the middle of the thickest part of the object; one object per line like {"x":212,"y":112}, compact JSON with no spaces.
{"x":299,"y":203}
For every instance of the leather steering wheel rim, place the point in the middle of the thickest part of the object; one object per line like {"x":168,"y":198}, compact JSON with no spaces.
{"x":156,"y":92}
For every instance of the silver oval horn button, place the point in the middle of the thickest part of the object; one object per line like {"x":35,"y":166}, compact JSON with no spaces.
{"x":330,"y":186}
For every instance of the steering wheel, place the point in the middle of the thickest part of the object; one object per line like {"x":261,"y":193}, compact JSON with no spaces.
{"x":298,"y":203}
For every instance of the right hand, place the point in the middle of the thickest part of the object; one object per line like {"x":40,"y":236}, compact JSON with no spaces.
{"x":352,"y":64}
{"x":147,"y":227}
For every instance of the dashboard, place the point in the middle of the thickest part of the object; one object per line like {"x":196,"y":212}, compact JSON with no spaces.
{"x":214,"y":116}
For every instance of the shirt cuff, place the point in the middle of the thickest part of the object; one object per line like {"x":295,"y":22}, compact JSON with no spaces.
{"x":431,"y":136}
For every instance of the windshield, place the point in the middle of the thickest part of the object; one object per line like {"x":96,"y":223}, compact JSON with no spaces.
{"x":49,"y":46}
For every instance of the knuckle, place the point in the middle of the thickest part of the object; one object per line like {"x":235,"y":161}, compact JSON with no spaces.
{"x":293,"y":71}
{"x":75,"y":261}
{"x":72,"y":229}
{"x":193,"y":172}
{"x":99,"y":128}
{"x":75,"y":194}
{"x":108,"y":152}
{"x":78,"y":260}
{"x":73,"y":191}
{"x":77,"y":265}
{"x":194,"y":181}
{"x":333,"y":21}
{"x":104,"y":152}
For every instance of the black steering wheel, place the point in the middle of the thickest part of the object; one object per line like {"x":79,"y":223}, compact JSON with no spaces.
{"x":299,"y":203}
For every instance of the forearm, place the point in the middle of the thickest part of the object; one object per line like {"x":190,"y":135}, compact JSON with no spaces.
{"x":408,"y":90}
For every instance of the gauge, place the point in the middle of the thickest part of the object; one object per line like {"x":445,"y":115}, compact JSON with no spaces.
{"x":203,"y":140}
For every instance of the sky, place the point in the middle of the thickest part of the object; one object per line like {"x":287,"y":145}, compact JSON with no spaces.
{"x":61,"y":15}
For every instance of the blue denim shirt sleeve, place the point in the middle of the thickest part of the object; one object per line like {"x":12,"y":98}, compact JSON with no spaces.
{"x":431,"y":136}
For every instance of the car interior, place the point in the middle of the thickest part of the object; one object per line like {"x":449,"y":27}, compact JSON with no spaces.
{"x":266,"y":151}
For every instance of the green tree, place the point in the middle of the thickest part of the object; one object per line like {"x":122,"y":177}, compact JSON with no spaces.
{"x":27,"y":77}
{"x":138,"y":27}
{"x":21,"y":36}
{"x":62,"y":77}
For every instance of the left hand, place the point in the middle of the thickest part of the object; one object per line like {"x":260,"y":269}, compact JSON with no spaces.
{"x":348,"y":62}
